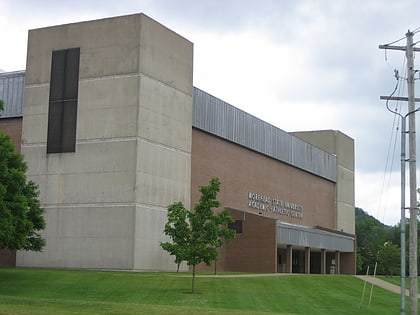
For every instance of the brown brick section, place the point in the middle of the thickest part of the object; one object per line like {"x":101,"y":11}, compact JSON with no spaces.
{"x":348,"y":263}
{"x":7,"y":258}
{"x":242,"y":171}
{"x":254,"y":250}
{"x":12,"y":127}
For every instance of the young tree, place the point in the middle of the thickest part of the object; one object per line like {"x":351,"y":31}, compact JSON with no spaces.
{"x":21,"y":215}
{"x":196,"y":235}
{"x":177,"y":228}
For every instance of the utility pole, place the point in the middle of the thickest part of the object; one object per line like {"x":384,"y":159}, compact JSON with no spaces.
{"x":409,"y":51}
{"x":412,"y":170}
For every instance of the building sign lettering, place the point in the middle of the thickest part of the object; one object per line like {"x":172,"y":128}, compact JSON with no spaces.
{"x":274,"y":205}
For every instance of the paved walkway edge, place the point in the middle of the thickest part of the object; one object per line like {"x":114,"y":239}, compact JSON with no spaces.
{"x":384,"y":284}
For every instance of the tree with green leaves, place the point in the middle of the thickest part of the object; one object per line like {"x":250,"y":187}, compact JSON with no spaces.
{"x":21,"y":214}
{"x":196,"y":235}
{"x":371,"y":235}
{"x":389,"y":259}
{"x":178,"y":229}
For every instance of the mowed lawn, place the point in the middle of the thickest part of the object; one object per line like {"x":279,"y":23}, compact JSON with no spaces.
{"x":43,"y":291}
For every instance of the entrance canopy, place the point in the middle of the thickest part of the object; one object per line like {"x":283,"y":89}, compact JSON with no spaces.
{"x":304,"y":236}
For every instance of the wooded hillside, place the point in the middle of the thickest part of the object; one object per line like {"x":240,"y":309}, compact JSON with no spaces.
{"x":378,"y":243}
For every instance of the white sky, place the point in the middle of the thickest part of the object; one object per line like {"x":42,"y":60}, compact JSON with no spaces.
{"x":300,"y":65}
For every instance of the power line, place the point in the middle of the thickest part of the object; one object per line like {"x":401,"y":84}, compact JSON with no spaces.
{"x":416,"y":30}
{"x":395,"y":41}
{"x":386,"y":182}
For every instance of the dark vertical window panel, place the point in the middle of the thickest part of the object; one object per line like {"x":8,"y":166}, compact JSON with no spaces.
{"x":55,"y":114}
{"x":236,"y":226}
{"x":68,"y":143}
{"x":62,"y":114}
{"x":58,"y":64}
{"x":71,"y":82}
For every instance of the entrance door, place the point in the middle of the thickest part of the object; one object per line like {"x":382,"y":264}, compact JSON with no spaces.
{"x":281,"y":260}
{"x":315,"y":262}
{"x":298,"y":261}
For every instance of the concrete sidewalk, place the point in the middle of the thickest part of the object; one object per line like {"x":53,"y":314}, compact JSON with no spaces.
{"x":384,"y":284}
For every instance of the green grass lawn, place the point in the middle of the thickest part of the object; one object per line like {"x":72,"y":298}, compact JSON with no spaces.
{"x":42,"y":291}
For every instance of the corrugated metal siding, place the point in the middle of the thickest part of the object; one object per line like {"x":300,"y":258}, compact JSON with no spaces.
{"x":212,"y":115}
{"x":12,"y":86}
{"x":310,"y":237}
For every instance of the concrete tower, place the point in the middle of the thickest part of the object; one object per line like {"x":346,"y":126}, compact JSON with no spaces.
{"x":107,"y":136}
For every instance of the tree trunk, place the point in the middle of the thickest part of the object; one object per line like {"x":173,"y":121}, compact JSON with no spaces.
{"x":193,"y":280}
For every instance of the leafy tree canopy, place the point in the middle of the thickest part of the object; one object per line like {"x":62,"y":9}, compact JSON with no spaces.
{"x":21,"y":215}
{"x":389,"y":256}
{"x":178,"y":229}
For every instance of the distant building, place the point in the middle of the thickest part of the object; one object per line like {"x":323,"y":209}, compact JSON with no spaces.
{"x":113,"y":131}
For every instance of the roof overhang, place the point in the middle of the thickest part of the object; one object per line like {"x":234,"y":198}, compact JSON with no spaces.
{"x":303,"y":236}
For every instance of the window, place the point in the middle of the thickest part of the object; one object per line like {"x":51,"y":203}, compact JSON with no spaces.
{"x":236,"y":226}
{"x":62,"y":110}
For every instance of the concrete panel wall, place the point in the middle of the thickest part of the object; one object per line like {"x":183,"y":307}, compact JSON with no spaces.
{"x":166,"y":56}
{"x":109,"y":47}
{"x":133,"y":143}
{"x":345,"y":201}
{"x":106,"y":175}
{"x":165,"y":114}
{"x":162,"y":175}
{"x":35,"y":116}
{"x":110,"y":107}
{"x":164,"y":139}
{"x":85,"y":237}
{"x":150,"y":223}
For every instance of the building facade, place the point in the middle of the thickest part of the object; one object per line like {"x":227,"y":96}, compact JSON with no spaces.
{"x":113,"y":131}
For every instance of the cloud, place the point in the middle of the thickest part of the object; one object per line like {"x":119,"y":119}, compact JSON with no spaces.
{"x":300,"y":65}
{"x":380,"y":194}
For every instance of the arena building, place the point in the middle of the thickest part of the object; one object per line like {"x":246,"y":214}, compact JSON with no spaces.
{"x":113,"y":131}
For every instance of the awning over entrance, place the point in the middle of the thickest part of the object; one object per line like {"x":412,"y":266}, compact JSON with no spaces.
{"x":297,"y":235}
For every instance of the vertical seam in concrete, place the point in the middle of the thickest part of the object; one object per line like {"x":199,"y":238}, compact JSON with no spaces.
{"x":337,"y":183}
{"x":133,"y":261}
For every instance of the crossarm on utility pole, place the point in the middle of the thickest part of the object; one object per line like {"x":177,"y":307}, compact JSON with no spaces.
{"x":390,"y":47}
{"x":398,"y":98}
